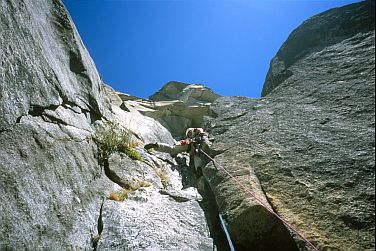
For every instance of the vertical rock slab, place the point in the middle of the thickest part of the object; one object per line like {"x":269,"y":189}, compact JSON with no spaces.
{"x":51,"y":186}
{"x":43,"y":62}
{"x":315,"y":34}
{"x":311,"y":140}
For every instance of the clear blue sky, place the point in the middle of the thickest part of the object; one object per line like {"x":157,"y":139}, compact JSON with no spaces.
{"x":138,"y":46}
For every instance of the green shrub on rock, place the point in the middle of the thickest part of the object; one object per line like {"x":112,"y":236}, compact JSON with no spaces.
{"x":113,"y":138}
{"x":130,"y":152}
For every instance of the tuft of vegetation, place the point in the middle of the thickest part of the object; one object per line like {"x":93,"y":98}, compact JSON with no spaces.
{"x":123,"y":194}
{"x":131,"y":152}
{"x":113,"y":138}
{"x":144,"y":183}
{"x":120,"y":195}
{"x":164,"y":178}
{"x":161,"y":173}
{"x":95,"y":240}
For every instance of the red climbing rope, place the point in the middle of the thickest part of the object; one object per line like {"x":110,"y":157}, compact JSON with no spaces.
{"x":247,"y":190}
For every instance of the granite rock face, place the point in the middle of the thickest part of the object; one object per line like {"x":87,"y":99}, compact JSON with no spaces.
{"x":50,"y":93}
{"x":43,"y":62}
{"x":189,"y":93}
{"x":162,"y":216}
{"x":51,"y":186}
{"x":54,"y":190}
{"x":317,"y":33}
{"x":177,"y":106}
{"x":310,"y":141}
{"x":306,"y":149}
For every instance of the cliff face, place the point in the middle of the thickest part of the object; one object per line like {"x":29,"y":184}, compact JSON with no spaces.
{"x":44,"y":62}
{"x":51,"y":183}
{"x":315,"y":34}
{"x":56,"y":192}
{"x":306,"y":148}
{"x":177,"y":106}
{"x":167,"y":213}
{"x":309,"y":142}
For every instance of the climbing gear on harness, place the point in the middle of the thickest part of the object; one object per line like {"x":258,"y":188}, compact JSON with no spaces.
{"x":196,"y":143}
{"x":259,"y":201}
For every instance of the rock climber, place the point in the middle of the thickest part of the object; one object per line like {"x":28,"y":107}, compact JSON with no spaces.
{"x":196,"y":139}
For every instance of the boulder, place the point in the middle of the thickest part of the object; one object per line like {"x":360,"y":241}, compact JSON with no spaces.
{"x":154,"y":222}
{"x":145,"y":128}
{"x":309,"y":141}
{"x":188,"y":92}
{"x":170,"y":91}
{"x":112,"y":95}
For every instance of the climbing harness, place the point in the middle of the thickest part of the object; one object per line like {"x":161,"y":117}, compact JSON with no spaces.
{"x":259,"y":201}
{"x":197,"y":143}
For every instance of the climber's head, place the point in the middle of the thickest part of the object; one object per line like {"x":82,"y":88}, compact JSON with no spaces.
{"x":192,"y":132}
{"x":189,"y":132}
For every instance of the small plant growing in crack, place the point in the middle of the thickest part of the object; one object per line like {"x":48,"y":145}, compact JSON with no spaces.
{"x":120,"y":195}
{"x":161,"y":173}
{"x":124,"y":193}
{"x":144,"y":183}
{"x":164,"y":178}
{"x":94,"y":241}
{"x":113,"y":138}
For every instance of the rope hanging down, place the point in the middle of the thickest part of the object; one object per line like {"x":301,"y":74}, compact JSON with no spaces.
{"x":247,"y":190}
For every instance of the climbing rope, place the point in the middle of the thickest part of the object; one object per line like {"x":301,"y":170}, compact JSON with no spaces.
{"x":247,"y":190}
{"x":223,"y":225}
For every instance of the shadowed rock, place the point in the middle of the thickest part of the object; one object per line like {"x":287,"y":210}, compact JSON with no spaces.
{"x":307,"y":148}
{"x":310,"y":141}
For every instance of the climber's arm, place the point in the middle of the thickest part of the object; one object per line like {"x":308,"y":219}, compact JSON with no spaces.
{"x":175,"y":149}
